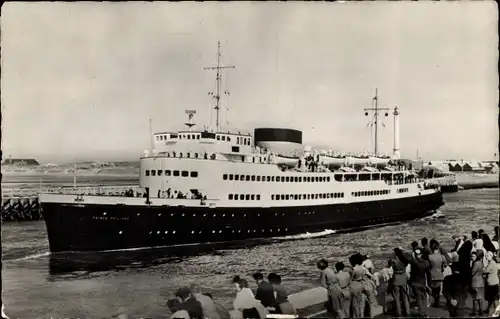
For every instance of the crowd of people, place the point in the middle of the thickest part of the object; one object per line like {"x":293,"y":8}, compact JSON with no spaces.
{"x":423,"y":273}
{"x":270,"y":297}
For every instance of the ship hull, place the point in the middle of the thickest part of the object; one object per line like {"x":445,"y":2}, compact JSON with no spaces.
{"x":96,"y":227}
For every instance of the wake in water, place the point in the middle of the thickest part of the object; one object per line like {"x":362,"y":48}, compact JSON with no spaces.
{"x":29,"y":257}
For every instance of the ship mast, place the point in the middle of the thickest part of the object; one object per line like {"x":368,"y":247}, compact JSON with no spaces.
{"x":376,"y":110}
{"x":216,"y":95}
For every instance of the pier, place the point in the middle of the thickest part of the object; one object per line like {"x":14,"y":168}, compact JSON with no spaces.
{"x":22,"y":204}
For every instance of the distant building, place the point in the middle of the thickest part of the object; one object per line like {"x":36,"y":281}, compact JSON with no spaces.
{"x":21,"y":162}
{"x":454,"y":167}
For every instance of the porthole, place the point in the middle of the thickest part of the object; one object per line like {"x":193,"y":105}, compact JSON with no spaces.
{"x":159,"y":214}
{"x":157,"y":232}
{"x":173,"y":232}
{"x":213,"y":231}
{"x":192,"y":232}
{"x":166,"y":232}
{"x":120,"y":232}
{"x":104,"y":213}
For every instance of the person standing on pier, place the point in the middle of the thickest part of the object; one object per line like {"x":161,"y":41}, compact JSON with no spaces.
{"x":477,"y":283}
{"x":420,"y":271}
{"x":330,"y":281}
{"x":189,"y":303}
{"x":207,"y":304}
{"x":455,"y":292}
{"x":265,"y":293}
{"x":438,"y":264}
{"x":344,"y":282}
{"x":399,"y":283}
{"x":492,"y":282}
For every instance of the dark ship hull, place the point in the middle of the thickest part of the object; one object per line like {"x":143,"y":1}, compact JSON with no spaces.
{"x":95,"y":227}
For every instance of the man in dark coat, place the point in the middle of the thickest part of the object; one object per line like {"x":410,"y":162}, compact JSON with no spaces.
{"x":189,"y":303}
{"x":265,"y":293}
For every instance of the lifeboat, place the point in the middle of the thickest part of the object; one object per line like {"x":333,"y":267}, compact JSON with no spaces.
{"x":332,"y":161}
{"x":358,"y":160}
{"x":379,"y":161}
{"x":290,"y":161}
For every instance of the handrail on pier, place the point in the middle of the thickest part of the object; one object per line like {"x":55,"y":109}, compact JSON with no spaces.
{"x":68,"y":190}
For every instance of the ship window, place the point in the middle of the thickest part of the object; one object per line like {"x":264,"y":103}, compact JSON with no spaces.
{"x":296,"y":179}
{"x":253,"y":159}
{"x":268,"y":178}
{"x":147,"y":172}
{"x":160,"y":172}
{"x":252,"y":197}
{"x":236,"y":177}
{"x":258,"y":197}
{"x":272,"y":197}
{"x":376,"y":176}
{"x":167,"y":172}
{"x":342,"y":195}
{"x":258,"y":178}
{"x":153,"y":172}
{"x":223,"y":138}
{"x":194,"y":174}
{"x":176,"y":173}
{"x":242,"y":177}
{"x":282,"y":197}
{"x":287,"y":179}
{"x":196,"y":155}
{"x":247,"y":178}
{"x":235,"y":149}
{"x":287,"y":197}
{"x":296,"y":197}
{"x":272,"y":178}
{"x":338,"y":177}
{"x":188,"y":155}
{"x":328,"y":179}
{"x":364,"y":177}
{"x":237,"y":140}
{"x":230,"y":196}
{"x":253,"y":178}
{"x":189,"y":137}
{"x":334,"y":195}
{"x":277,"y":178}
{"x":229,"y":139}
{"x":218,"y":137}
{"x":230,"y":177}
{"x":185,"y":173}
{"x":247,"y":197}
{"x":180,"y":155}
{"x":224,"y":177}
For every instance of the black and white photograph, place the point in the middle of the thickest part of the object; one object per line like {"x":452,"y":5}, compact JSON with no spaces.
{"x":236,"y":160}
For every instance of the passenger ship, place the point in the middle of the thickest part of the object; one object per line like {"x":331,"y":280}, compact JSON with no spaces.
{"x":203,"y":186}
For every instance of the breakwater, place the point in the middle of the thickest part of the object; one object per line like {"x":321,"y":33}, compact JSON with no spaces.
{"x":23,"y":204}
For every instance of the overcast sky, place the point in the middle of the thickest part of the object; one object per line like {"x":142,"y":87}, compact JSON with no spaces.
{"x":81,"y":80}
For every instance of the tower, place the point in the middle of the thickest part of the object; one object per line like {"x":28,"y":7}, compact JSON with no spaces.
{"x":396,"y":149}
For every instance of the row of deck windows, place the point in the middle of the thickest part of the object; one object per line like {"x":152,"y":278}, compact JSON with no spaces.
{"x":371,"y":193}
{"x":306,"y":196}
{"x":239,"y":140}
{"x":403,"y":190}
{"x":168,"y":172}
{"x":295,"y":179}
{"x":244,"y":197}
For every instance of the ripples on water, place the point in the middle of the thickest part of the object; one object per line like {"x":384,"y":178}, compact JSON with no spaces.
{"x":36,"y":284}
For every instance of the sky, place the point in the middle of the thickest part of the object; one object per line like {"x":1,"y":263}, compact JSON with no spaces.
{"x":81,"y":80}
